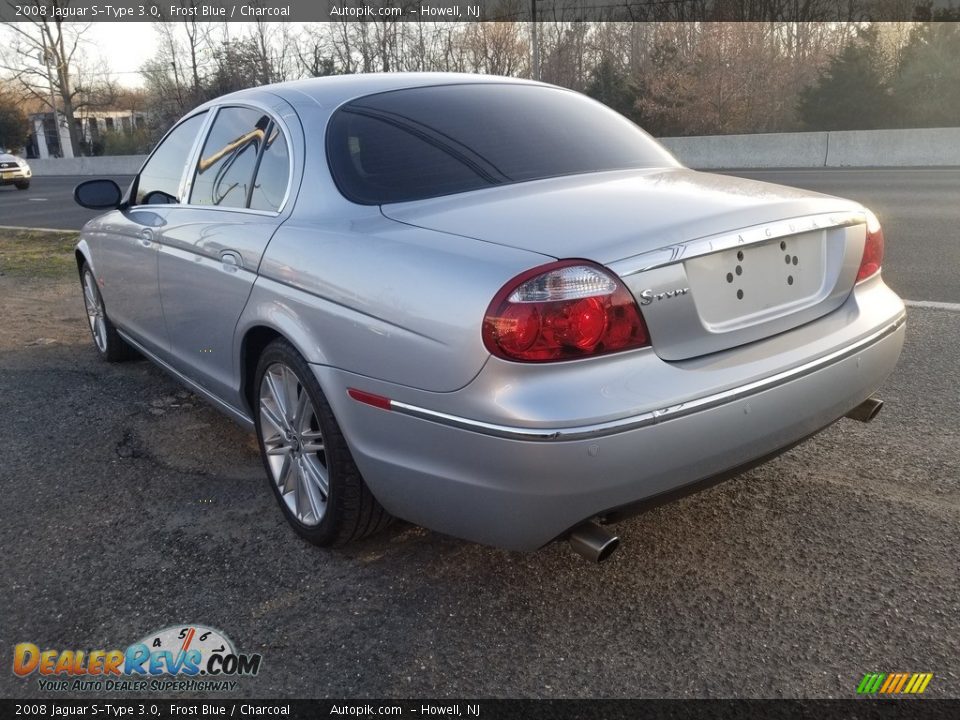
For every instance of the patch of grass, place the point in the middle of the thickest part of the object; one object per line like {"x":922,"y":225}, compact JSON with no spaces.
{"x":37,"y":253}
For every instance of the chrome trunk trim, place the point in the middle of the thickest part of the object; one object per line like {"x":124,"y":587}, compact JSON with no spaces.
{"x":725,"y":241}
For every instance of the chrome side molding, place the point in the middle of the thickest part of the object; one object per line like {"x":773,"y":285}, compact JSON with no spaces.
{"x":632,"y":422}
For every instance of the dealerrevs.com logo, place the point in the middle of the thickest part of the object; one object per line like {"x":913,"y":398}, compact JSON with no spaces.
{"x":178,"y":658}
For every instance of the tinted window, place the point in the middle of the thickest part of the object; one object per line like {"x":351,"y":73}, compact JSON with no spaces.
{"x":229,"y":157}
{"x":424,"y":142}
{"x":272,"y":175}
{"x":159,"y":181}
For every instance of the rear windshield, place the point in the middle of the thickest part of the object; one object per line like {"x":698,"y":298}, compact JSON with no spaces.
{"x":424,"y":142}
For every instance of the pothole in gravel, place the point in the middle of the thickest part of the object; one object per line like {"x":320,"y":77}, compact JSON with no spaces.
{"x":129,"y":446}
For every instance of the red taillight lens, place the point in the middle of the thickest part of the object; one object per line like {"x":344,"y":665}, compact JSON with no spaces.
{"x":562,"y":311}
{"x":872,"y":249}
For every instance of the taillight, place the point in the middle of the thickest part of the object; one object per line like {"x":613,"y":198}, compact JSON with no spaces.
{"x":562,"y":311}
{"x":872,"y":249}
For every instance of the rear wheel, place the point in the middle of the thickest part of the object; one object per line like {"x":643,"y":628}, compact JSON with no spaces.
{"x":312,"y":472}
{"x":22,"y":185}
{"x":108,"y":342}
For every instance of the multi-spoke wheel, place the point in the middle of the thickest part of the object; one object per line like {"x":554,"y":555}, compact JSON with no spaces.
{"x":313,"y":474}
{"x":108,"y":342}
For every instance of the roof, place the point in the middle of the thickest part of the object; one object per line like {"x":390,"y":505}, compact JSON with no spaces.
{"x":334,"y":90}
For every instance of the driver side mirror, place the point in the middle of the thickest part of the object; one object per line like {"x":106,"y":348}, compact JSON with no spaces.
{"x":98,"y":194}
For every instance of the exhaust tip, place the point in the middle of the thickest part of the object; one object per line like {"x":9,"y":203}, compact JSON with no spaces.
{"x":866,"y":411}
{"x":593,"y":542}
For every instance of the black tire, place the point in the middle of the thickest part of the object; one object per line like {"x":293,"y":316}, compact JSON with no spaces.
{"x":110,"y":346}
{"x":351,"y":511}
{"x":22,"y":185}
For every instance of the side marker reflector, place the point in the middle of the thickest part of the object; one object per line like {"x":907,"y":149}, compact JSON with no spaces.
{"x":377,"y":401}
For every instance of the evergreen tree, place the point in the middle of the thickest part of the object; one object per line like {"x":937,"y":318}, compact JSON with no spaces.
{"x":927,"y":86}
{"x":14,"y":127}
{"x":851,"y":92}
{"x":610,"y":85}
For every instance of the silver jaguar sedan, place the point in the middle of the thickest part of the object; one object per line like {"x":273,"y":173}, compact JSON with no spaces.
{"x":491,"y":307}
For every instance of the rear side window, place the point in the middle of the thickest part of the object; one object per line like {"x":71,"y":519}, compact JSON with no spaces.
{"x":159,"y":181}
{"x":228,"y":161}
{"x":425,"y":142}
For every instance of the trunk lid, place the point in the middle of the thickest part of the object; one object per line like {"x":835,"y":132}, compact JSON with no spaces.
{"x":714,"y":261}
{"x":609,"y":216}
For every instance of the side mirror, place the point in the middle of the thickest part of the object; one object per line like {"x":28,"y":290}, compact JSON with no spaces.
{"x":98,"y":194}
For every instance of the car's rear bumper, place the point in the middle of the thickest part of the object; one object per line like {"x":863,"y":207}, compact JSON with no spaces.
{"x":520,"y":484}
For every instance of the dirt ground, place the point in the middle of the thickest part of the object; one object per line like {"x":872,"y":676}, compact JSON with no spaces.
{"x":41,"y":312}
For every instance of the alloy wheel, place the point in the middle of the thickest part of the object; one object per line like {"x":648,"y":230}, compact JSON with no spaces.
{"x":293,"y":444}
{"x":95,"y":314}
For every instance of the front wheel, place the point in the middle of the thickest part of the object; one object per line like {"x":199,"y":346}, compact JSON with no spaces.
{"x":107,"y":340}
{"x":312,"y":472}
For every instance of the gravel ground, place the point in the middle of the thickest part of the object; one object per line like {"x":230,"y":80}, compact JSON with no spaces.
{"x":129,"y":505}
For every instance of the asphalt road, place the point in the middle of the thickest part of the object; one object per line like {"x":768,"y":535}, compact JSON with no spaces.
{"x":48,"y":203}
{"x":129,"y":506}
{"x":919,"y":209}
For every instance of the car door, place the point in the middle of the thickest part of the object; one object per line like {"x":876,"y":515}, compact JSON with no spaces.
{"x":125,"y":247}
{"x":210,"y":248}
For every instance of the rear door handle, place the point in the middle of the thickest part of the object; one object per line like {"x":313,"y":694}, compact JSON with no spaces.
{"x":146,"y":237}
{"x":231,"y":259}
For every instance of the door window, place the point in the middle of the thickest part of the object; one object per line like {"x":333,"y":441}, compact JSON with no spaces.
{"x":159,"y":181}
{"x":228,"y":161}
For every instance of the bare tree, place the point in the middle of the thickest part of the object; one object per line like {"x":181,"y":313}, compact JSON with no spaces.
{"x":47,"y":62}
{"x":272,"y":47}
{"x":316,"y":55}
{"x":177,"y":77}
{"x":497,"y":48}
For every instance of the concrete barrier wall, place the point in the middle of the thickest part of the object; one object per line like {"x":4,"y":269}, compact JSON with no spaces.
{"x":105,"y":166}
{"x":927,"y":146}
{"x":846,"y":148}
{"x":782,"y":150}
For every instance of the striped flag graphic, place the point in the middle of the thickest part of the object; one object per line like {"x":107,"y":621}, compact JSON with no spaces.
{"x":894,"y":683}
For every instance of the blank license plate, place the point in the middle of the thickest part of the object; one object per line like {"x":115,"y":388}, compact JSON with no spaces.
{"x":732,"y":285}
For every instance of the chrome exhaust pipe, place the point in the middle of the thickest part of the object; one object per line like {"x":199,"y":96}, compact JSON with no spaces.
{"x":866,"y":411}
{"x":593,"y":542}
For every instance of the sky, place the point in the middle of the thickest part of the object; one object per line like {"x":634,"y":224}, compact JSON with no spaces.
{"x":125,"y":47}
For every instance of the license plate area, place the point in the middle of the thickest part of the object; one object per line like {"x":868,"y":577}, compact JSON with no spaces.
{"x":753,"y":283}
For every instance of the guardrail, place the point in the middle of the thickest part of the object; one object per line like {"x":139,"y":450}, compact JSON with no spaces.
{"x":922,"y":147}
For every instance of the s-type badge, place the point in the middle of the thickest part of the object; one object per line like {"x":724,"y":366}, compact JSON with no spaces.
{"x":648,"y":296}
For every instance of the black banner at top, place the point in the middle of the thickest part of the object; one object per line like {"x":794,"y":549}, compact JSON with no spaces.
{"x":474,"y":10}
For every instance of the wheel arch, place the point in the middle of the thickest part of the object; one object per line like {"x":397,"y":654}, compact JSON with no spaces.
{"x":81,"y":253}
{"x":253,"y":341}
{"x":252,"y":344}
